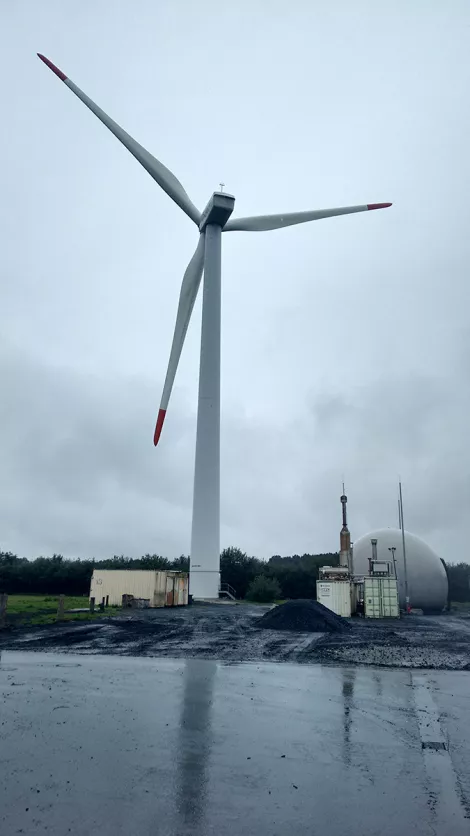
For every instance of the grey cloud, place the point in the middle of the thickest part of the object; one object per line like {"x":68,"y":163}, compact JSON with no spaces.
{"x":80,"y":474}
{"x":78,"y":464}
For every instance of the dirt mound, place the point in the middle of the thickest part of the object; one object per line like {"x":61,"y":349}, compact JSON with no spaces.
{"x":304,"y":616}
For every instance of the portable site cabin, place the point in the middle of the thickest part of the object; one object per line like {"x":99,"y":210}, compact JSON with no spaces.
{"x":159,"y":588}
{"x":336,"y":596}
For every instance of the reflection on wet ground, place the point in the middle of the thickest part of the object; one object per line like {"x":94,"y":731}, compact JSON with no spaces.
{"x":156,"y":746}
{"x":348,"y":677}
{"x":194,"y":744}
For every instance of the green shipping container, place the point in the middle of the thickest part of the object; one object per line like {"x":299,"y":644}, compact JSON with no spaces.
{"x":381,"y":598}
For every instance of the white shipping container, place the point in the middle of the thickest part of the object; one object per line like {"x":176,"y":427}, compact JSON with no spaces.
{"x":336,"y":595}
{"x":160,"y":588}
{"x":381,"y":598}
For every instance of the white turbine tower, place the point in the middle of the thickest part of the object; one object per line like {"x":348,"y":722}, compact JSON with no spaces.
{"x":205,"y":545}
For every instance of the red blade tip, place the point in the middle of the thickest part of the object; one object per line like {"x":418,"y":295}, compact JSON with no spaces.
{"x":52,"y":67}
{"x":159,"y":425}
{"x":378,"y":205}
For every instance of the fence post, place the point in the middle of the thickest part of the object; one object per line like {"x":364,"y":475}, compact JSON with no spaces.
{"x":92,"y":604}
{"x":3,"y":608}
{"x":60,"y":608}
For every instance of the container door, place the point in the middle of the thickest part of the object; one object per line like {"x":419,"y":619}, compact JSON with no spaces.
{"x":394,"y":602}
{"x":345,"y":609}
{"x":368,"y":603}
{"x":372,"y":607}
{"x":390,"y":598}
{"x":169,"y":590}
{"x":386,"y":598}
{"x":336,"y":598}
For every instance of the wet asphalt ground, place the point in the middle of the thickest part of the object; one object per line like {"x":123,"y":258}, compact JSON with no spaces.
{"x":231,"y":633}
{"x":177,"y":722}
{"x":158,"y":747}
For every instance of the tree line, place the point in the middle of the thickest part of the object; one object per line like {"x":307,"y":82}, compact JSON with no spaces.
{"x":57,"y":575}
{"x":290,"y":577}
{"x":279,"y":577}
{"x":293,"y":576}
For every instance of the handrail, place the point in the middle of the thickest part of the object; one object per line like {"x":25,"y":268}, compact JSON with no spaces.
{"x":228,"y":589}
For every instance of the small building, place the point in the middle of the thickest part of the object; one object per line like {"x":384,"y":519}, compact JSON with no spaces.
{"x":159,"y":587}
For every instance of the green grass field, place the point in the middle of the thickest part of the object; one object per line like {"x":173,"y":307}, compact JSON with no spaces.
{"x":42,"y":609}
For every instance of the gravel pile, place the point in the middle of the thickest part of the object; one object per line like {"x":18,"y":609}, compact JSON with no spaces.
{"x":305,"y":617}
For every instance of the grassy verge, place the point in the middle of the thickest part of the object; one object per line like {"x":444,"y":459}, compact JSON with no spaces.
{"x":42,"y":609}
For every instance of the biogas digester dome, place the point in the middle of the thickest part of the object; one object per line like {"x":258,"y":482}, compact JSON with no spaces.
{"x":427,"y":579}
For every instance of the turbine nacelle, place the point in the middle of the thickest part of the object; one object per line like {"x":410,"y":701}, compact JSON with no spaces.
{"x":217,"y":211}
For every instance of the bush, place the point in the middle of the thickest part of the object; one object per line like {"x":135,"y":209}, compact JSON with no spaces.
{"x":263,"y":589}
{"x":458,"y":576}
{"x":237,"y":569}
{"x":295,"y":581}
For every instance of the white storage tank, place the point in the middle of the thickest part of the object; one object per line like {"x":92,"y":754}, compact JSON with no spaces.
{"x":336,"y":595}
{"x":160,"y":588}
{"x":427,"y":579}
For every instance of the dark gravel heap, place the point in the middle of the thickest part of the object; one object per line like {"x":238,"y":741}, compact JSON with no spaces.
{"x":303,"y":616}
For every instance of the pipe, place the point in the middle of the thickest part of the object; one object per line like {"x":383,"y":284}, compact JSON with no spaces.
{"x":407,"y":597}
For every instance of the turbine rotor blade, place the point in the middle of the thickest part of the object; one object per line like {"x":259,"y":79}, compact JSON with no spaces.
{"x":188,"y":293}
{"x":263,"y":223}
{"x":160,"y":173}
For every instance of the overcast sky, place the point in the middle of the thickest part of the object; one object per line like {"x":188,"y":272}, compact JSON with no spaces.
{"x":345,"y":342}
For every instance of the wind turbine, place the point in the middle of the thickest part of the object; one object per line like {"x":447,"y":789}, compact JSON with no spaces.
{"x":205,"y":546}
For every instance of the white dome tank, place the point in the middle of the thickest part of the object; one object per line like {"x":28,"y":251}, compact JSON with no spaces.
{"x":427,"y":579}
